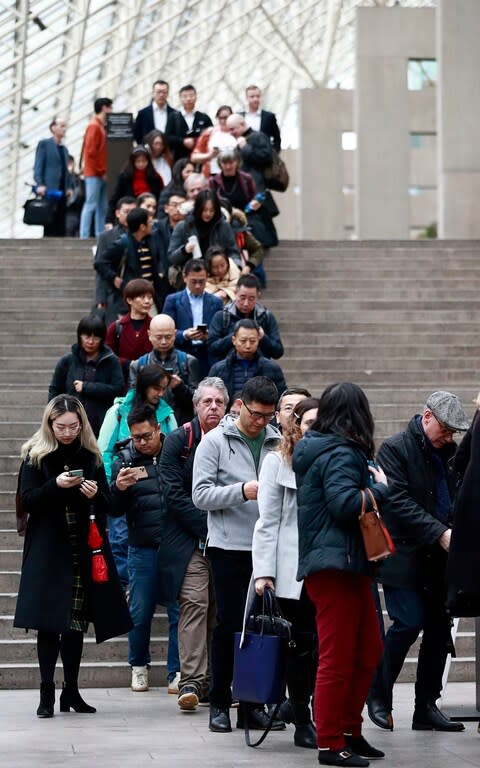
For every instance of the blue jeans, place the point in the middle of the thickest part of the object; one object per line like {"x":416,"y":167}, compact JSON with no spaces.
{"x":95,"y":206}
{"x":118,"y":538}
{"x":143,"y":579}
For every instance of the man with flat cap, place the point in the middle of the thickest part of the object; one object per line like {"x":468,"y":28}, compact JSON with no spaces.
{"x":419,"y":518}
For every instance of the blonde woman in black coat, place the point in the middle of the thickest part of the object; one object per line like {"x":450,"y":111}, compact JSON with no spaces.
{"x":57,"y":595}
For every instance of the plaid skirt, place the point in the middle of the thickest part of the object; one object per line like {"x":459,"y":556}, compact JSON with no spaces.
{"x":79,"y":620}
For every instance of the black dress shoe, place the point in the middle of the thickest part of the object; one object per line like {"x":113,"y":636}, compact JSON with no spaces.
{"x":258,"y":720}
{"x":429,"y":718}
{"x":305,"y":736}
{"x":285,"y":712}
{"x":380,"y":714}
{"x":219,"y":720}
{"x":360,"y":746}
{"x":341,"y":757}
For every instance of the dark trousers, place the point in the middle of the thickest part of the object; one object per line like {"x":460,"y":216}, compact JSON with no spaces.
{"x":231,"y":571}
{"x":410,"y":612}
{"x":350,"y":648}
{"x":302,"y":658}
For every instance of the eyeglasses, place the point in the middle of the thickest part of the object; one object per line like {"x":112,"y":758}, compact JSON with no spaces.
{"x":145,"y":438}
{"x":72,"y":430}
{"x":257,"y":416}
{"x":444,"y":427}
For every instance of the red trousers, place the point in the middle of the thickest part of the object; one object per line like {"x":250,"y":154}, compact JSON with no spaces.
{"x":350,"y":649}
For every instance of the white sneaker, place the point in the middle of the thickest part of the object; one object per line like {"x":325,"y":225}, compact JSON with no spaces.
{"x":173,"y":684}
{"x":139,"y":679}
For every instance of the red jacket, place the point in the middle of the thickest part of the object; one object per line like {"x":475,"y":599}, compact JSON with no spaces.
{"x":94,"y":154}
{"x":127,"y":343}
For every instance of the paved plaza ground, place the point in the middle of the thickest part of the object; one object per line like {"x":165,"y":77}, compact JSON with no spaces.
{"x":136,"y":730}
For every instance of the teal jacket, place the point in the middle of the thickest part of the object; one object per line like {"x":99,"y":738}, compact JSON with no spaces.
{"x":115,"y":427}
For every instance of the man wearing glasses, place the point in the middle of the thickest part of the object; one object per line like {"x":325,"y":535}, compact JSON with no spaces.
{"x":137,"y":492}
{"x":225,"y":483}
{"x":414,"y":579}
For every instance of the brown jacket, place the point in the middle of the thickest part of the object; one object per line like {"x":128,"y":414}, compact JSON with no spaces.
{"x":95,"y":148}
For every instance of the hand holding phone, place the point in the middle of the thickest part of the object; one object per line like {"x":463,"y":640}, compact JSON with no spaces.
{"x":140,"y":473}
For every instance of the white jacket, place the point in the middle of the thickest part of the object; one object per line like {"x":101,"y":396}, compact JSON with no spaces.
{"x":275,"y":538}
{"x":223,"y":462}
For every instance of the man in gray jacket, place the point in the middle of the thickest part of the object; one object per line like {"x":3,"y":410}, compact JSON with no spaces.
{"x":225,"y":482}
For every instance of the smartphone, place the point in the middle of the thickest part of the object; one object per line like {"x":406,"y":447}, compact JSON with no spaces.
{"x":202,"y":327}
{"x":75,"y":473}
{"x":140,"y":473}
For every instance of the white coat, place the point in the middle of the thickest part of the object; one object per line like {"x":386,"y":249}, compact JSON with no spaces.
{"x":275,"y":537}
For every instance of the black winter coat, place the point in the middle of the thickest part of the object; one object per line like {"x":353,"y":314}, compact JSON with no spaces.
{"x":45,"y":592}
{"x":98,"y":394}
{"x":419,"y":562}
{"x":225,"y":370}
{"x":220,"y":331}
{"x":186,"y":525}
{"x":142,"y":503}
{"x":463,"y":570}
{"x":331,"y":471}
{"x":122,"y":256}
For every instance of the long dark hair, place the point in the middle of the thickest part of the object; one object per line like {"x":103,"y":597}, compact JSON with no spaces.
{"x":149,"y":139}
{"x":150,"y":172}
{"x":150,"y":376}
{"x":344,"y":410}
{"x":177,"y":179}
{"x":201,"y":199}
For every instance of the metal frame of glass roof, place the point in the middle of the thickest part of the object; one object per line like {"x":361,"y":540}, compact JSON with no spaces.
{"x":56,"y":57}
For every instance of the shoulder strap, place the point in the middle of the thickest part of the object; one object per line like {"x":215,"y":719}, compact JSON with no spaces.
{"x":182,"y":364}
{"x":226,"y":320}
{"x":142,"y":361}
{"x":188,"y":440}
{"x":118,"y":330}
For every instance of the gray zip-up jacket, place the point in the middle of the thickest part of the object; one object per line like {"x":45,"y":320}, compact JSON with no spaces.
{"x":223,"y":462}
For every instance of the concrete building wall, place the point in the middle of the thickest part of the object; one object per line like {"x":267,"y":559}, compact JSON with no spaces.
{"x":385,"y":39}
{"x":324,"y":115}
{"x":458,"y":54}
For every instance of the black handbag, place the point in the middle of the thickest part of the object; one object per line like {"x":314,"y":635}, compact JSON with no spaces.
{"x":260,"y":658}
{"x":38,"y":211}
{"x":276,"y":175}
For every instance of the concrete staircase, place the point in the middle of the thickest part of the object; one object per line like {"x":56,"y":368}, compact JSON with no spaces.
{"x":46,"y":287}
{"x":397,"y":318}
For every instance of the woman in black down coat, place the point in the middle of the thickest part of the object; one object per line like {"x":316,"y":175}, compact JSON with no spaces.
{"x":331,"y":465}
{"x":57,"y":595}
{"x":91,"y":372}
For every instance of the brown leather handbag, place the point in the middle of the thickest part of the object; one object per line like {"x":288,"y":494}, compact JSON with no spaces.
{"x":376,"y":538}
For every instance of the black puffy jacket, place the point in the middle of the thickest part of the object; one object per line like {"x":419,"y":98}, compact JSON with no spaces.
{"x":331,"y":471}
{"x":142,"y":503}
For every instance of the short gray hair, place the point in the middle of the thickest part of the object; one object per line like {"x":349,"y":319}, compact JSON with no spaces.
{"x":211,"y":381}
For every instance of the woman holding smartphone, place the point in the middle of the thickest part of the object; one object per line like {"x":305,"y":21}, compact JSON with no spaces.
{"x":62,"y":484}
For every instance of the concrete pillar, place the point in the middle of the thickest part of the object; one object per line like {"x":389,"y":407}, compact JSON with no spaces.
{"x":385,"y":39}
{"x":324,"y":115}
{"x":458,"y":118}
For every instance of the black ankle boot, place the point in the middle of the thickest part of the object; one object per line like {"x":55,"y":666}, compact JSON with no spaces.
{"x":70,"y":699}
{"x":47,"y":700}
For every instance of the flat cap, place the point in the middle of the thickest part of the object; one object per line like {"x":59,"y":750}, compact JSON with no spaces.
{"x":447,"y":408}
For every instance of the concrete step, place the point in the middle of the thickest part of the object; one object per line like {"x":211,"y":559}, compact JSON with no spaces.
{"x":92,"y":675}
{"x":11,"y":559}
{"x":25,"y":650}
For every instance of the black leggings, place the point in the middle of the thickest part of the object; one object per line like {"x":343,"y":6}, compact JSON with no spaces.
{"x":69,"y":645}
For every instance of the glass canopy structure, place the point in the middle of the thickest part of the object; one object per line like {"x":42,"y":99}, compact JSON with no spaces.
{"x":56,"y":57}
